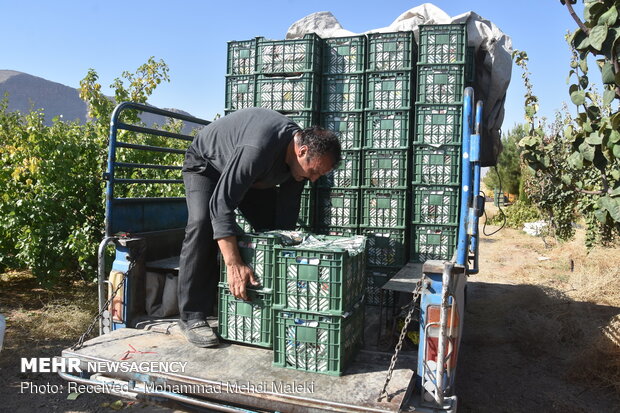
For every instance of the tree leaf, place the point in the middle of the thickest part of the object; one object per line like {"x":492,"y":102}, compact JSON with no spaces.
{"x":608,"y":97}
{"x":614,"y":136}
{"x":578,"y":97}
{"x":576,"y":160}
{"x":615,"y":192}
{"x":583,"y":65}
{"x":616,"y":150}
{"x":598,"y":34}
{"x":612,"y":205}
{"x":607,"y":72}
{"x":587,"y":151}
{"x":583,"y":81}
{"x":609,"y":17}
{"x":601,"y":215}
{"x":594,"y":139}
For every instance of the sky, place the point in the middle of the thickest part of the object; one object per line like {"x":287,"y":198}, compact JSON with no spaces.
{"x":61,"y":40}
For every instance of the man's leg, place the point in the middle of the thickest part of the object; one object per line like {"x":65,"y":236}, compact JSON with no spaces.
{"x":198,"y":266}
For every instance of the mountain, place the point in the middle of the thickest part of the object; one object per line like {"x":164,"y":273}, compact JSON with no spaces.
{"x":27,"y":92}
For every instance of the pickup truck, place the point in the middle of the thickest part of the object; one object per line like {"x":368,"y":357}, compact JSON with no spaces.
{"x":146,"y":357}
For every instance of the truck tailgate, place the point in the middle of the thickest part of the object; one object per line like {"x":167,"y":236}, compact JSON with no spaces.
{"x":242,"y":375}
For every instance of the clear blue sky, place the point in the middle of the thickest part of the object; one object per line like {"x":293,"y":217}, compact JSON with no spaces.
{"x":60,"y":40}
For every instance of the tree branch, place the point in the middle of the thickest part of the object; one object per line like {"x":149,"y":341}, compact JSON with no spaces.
{"x":576,"y":18}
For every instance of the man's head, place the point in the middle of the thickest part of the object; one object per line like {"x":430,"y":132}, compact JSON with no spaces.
{"x":316,"y":152}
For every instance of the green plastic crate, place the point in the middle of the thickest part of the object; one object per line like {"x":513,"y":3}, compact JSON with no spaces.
{"x":338,"y":231}
{"x":438,"y":124}
{"x":288,"y":93}
{"x":433,"y":242}
{"x":347,"y":175}
{"x":248,"y":322}
{"x":435,"y":204}
{"x":385,"y":208}
{"x":436,"y":165}
{"x":348,"y":126}
{"x":289,"y":56}
{"x":342,"y":93}
{"x":442,"y":44}
{"x":386,"y":168}
{"x":342,"y":55}
{"x":240,"y":92}
{"x":241,"y":57}
{"x":306,"y":210}
{"x":325,"y":277}
{"x":304,"y":119}
{"x":243,"y":222}
{"x":389,"y":90}
{"x":387,"y":129}
{"x":257,"y":252}
{"x":385,"y":247}
{"x":317,"y":343}
{"x":391,"y":51}
{"x":337,"y":207}
{"x":376,"y":277}
{"x":441,"y":84}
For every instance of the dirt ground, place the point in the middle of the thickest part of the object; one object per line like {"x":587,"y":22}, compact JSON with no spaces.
{"x":542,"y":333}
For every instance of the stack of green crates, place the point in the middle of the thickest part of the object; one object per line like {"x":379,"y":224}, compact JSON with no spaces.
{"x":318,"y":303}
{"x":251,"y":322}
{"x":444,"y":69}
{"x":386,"y":155}
{"x":342,"y":109}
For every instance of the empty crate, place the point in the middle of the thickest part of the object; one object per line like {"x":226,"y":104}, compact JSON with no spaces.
{"x":287,"y":93}
{"x":376,"y":277}
{"x":337,"y":207}
{"x":240,"y":92}
{"x":348,"y":126}
{"x":432,"y":242}
{"x":435,"y":204}
{"x":391,"y":51}
{"x":317,"y":343}
{"x":436,"y":165}
{"x":344,"y":55}
{"x":387,"y":129}
{"x":384,"y":208}
{"x":439,"y":124}
{"x":289,"y":56}
{"x":342,"y":93}
{"x":385,"y":247}
{"x":241,"y":57}
{"x":389,"y":90}
{"x":246,"y":321}
{"x":441,"y":84}
{"x":442,"y":44}
{"x":347,"y":175}
{"x":386,"y":168}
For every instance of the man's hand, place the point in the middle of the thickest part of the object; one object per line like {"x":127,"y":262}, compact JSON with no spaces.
{"x":238,"y":278}
{"x":238,"y":273}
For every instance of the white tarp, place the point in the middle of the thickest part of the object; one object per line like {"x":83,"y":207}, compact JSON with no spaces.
{"x":493,"y":58}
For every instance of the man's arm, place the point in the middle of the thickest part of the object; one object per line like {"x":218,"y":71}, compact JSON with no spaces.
{"x":238,"y":274}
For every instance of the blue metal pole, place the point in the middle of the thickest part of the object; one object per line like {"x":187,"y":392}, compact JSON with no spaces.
{"x":462,"y":245}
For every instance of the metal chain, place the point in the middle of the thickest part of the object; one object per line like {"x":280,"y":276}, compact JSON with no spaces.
{"x":106,"y":305}
{"x":403,"y":333}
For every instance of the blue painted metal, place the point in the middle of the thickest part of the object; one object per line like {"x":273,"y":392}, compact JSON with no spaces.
{"x":473,"y":224}
{"x":134,"y":215}
{"x":462,"y":244}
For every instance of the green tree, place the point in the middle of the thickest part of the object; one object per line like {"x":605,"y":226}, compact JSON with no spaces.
{"x":51,"y":179}
{"x":508,"y":163}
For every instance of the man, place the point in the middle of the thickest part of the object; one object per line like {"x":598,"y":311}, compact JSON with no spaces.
{"x":257,"y":160}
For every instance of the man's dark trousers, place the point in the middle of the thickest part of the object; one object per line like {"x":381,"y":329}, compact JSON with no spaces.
{"x":199,"y":266}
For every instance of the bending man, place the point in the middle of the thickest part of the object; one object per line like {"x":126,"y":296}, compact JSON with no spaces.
{"x":256,"y":160}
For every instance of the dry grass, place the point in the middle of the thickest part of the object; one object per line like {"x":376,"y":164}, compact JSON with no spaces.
{"x":36,"y":315}
{"x":567,"y":304}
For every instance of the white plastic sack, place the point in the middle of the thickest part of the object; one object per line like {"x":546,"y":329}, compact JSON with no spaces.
{"x":493,"y":58}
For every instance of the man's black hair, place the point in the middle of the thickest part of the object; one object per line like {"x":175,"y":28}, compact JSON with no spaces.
{"x":321,"y":142}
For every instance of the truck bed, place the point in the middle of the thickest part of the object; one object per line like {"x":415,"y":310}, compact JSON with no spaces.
{"x":243,"y":376}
